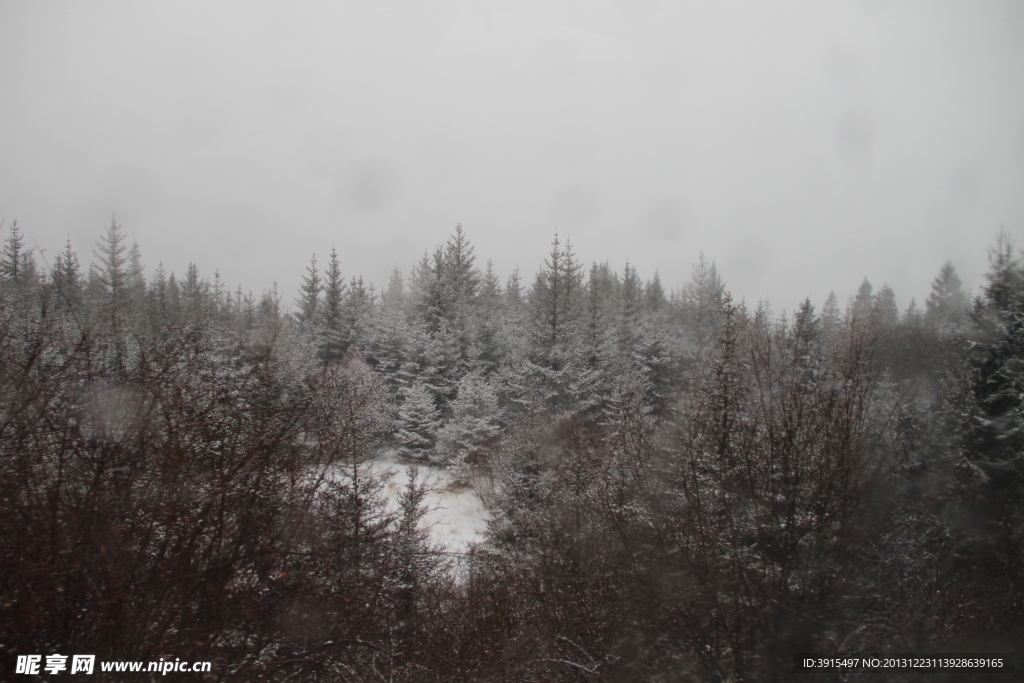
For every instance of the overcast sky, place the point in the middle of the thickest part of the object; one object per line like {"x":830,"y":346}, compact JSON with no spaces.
{"x":801,"y":145}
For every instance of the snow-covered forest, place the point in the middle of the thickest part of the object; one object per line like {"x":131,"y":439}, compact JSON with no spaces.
{"x":669,"y":485}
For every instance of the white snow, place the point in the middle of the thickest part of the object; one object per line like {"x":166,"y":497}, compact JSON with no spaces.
{"x":456,"y":518}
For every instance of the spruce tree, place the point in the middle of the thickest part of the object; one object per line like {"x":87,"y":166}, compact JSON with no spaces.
{"x":136,"y":281}
{"x":417,"y":422}
{"x":66,"y":278}
{"x":309,"y":299}
{"x":859,"y":311}
{"x":885,"y":314}
{"x":601,"y":317}
{"x":947,"y":306}
{"x":488,"y":321}
{"x":654,"y":294}
{"x":331,"y":344}
{"x":475,"y":420}
{"x":334,"y":290}
{"x":806,"y":331}
{"x":11,"y":261}
{"x":555,"y":305}
{"x":629,"y":332}
{"x":830,"y":316}
{"x":703,"y":303}
{"x":112,"y":274}
{"x":195,"y":294}
{"x":988,"y":412}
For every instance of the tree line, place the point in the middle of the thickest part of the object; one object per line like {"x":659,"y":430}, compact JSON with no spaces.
{"x":683,"y":486}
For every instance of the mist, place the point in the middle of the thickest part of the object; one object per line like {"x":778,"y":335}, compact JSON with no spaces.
{"x":800,"y":147}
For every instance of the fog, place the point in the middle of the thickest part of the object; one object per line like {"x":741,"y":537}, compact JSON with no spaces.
{"x":802,"y":146}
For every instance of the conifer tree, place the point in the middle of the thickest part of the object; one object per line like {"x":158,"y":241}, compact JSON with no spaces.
{"x":488,"y":321}
{"x":885,"y":314}
{"x":988,"y":411}
{"x":10,"y":263}
{"x":66,"y":278}
{"x":195,"y":297}
{"x":393,"y":297}
{"x":109,"y":283}
{"x":334,"y":291}
{"x":859,"y":311}
{"x":157,"y":299}
{"x":600,"y":325}
{"x":417,"y":422}
{"x":461,"y":279}
{"x":830,"y":316}
{"x":331,"y":344}
{"x":629,"y":329}
{"x":309,"y":299}
{"x":947,"y":306}
{"x":703,"y":303}
{"x":514,"y":337}
{"x":514,"y":299}
{"x":555,"y":304}
{"x":392,"y":331}
{"x":806,"y":330}
{"x":356,"y":309}
{"x":173,"y":300}
{"x":18,"y":264}
{"x":475,"y":420}
{"x":112,"y":274}
{"x":913,"y":317}
{"x":654,"y":294}
{"x":136,"y":281}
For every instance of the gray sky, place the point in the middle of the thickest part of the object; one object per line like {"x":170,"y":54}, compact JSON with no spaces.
{"x":801,"y":145}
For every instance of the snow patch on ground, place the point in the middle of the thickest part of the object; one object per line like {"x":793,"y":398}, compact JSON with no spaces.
{"x":456,"y":518}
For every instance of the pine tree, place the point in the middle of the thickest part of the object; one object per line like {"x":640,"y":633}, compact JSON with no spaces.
{"x":173,"y":301}
{"x":885,"y":314}
{"x":112,"y":274}
{"x":514,"y":342}
{"x":703,"y":303}
{"x":66,"y":278}
{"x":514,"y":299}
{"x":947,"y":306}
{"x":988,"y":410}
{"x":392,"y":331}
{"x":490,"y":312}
{"x":913,"y":317}
{"x":417,"y":422}
{"x":195,"y":297}
{"x":629,"y":332}
{"x":334,"y":291}
{"x":309,"y":300}
{"x":10,"y":263}
{"x":17,"y":264}
{"x":460,"y":277}
{"x":475,"y":420}
{"x":157,"y":300}
{"x":394,"y":296}
{"x":136,"y":281}
{"x":654,"y":294}
{"x":555,"y":306}
{"x":459,"y":284}
{"x":109,"y":281}
{"x":859,"y":311}
{"x":1004,"y":278}
{"x":331,"y":344}
{"x":356,"y":312}
{"x":600,"y":323}
{"x":993,"y":398}
{"x":830,"y":316}
{"x":806,"y":331}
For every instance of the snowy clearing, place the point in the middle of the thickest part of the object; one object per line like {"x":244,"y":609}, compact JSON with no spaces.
{"x":456,"y":518}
